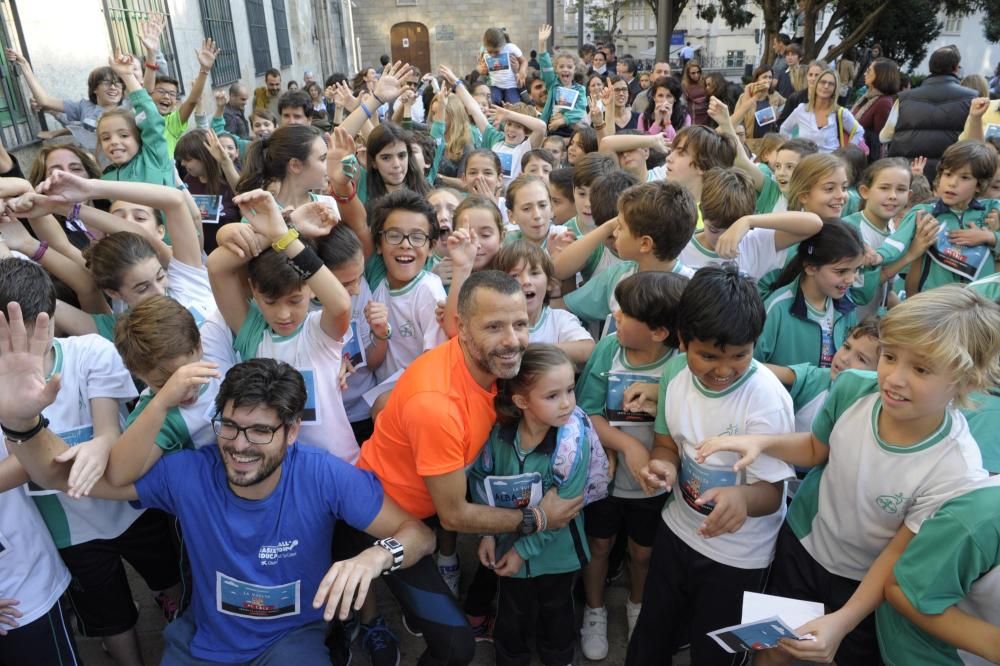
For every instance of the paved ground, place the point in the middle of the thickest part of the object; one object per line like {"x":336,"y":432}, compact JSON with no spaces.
{"x":151,"y":624}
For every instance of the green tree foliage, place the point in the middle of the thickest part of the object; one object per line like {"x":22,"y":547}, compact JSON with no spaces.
{"x":904,"y":31}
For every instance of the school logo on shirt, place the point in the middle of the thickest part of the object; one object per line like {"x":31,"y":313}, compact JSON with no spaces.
{"x":731,"y":429}
{"x":892,"y":503}
{"x":407,"y":330}
{"x":269,"y":555}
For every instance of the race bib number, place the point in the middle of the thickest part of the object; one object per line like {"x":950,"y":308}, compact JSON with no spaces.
{"x":765,"y":116}
{"x":255,"y":602}
{"x":311,"y":413}
{"x":354,"y":351}
{"x":965,"y":261}
{"x":210,"y":207}
{"x":615,"y":410}
{"x":565,"y":98}
{"x":697,"y":479}
{"x":498,"y":63}
{"x":514,"y":492}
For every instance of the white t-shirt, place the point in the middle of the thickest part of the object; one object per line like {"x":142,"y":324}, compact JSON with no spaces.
{"x":31,"y":570}
{"x":362,"y":379}
{"x":848,"y":510}
{"x":510,"y":159}
{"x":189,"y":286}
{"x":874,"y":238}
{"x":690,"y":413}
{"x":89,"y":368}
{"x":415,"y":328}
{"x":318,"y":357}
{"x":756,"y":255}
{"x":216,"y":339}
{"x":503,"y":68}
{"x":555,"y":326}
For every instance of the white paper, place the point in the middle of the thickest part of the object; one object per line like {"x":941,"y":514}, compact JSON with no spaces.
{"x":793,"y":612}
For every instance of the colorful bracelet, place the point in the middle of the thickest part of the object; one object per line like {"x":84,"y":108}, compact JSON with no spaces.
{"x":344,"y":199}
{"x":381,"y":102}
{"x":388,"y":334}
{"x":366,"y":110}
{"x":40,"y":252}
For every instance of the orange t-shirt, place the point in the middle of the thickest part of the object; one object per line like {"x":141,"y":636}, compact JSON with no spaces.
{"x":436,"y":421}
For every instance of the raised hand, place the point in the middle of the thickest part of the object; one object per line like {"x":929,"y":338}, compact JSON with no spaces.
{"x":390,"y":83}
{"x":377,"y":316}
{"x":15,"y":57}
{"x":32,"y":205}
{"x":150,"y":31}
{"x":719,"y":112}
{"x":241,"y":240}
{"x":449,"y":76}
{"x":544,"y":32}
{"x":207,"y":54}
{"x":462,"y":249}
{"x":221,"y":99}
{"x":214,"y":146}
{"x":22,"y":369}
{"x":121,"y":63}
{"x":917,"y":165}
{"x":979,"y":107}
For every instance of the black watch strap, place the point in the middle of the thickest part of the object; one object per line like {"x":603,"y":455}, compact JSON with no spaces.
{"x":19,"y":437}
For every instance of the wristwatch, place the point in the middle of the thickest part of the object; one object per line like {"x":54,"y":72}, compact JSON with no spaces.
{"x":21,"y":436}
{"x":529,"y":524}
{"x":395,"y":549}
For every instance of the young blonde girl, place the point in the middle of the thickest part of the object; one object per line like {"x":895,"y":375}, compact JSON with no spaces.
{"x":890,"y":448}
{"x":536,"y":411}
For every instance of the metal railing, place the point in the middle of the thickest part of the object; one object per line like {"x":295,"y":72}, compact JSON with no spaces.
{"x":18,"y":126}
{"x":124,"y":16}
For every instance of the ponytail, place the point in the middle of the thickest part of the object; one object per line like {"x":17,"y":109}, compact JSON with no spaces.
{"x":835,"y":241}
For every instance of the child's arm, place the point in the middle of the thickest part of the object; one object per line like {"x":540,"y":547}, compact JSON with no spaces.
{"x":387,"y":88}
{"x":620,"y":143}
{"x":801,"y":449}
{"x":545,"y":58}
{"x":90,"y":458}
{"x":830,"y":629}
{"x":206,"y":56}
{"x":789,"y":228}
{"x":264,"y":216}
{"x":150,"y":31}
{"x":614,"y":439}
{"x":784,"y":374}
{"x":574,"y":257}
{"x":223,"y":159}
{"x":471,"y":105}
{"x":44,"y":99}
{"x":536,"y":127}
{"x":136,"y":450}
{"x":577,"y":350}
{"x":73,"y":321}
{"x":974,"y":123}
{"x":237,"y":245}
{"x":377,"y":316}
{"x":462,"y":251}
{"x":664,"y":461}
{"x":734,"y":504}
{"x":73,"y":274}
{"x":719,"y":112}
{"x":340,"y":145}
{"x":152,"y":124}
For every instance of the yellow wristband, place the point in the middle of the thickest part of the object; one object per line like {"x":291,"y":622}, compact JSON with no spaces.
{"x":282,"y":243}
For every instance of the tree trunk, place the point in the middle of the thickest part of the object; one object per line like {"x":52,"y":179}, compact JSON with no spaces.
{"x":772,"y":26}
{"x":857,"y":35}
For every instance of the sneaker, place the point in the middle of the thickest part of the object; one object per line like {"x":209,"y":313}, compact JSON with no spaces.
{"x":594,"y":633}
{"x":410,"y":629}
{"x":168,"y":606}
{"x":452,"y":575}
{"x":338,"y":641}
{"x":381,"y":644}
{"x":631,"y":615}
{"x":482,"y":627}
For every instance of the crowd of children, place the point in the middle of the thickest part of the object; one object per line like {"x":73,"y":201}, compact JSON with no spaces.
{"x":773,"y":372}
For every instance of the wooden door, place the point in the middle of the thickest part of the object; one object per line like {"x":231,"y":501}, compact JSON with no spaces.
{"x":411,"y":43}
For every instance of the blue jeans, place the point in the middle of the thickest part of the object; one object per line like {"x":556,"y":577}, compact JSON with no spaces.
{"x":300,"y":646}
{"x":509,"y":95}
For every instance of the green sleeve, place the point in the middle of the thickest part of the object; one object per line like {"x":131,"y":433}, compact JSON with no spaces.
{"x":218,"y":125}
{"x":871,"y":280}
{"x":477,"y":138}
{"x":673,"y":368}
{"x":491,"y":136}
{"x":896,"y":245}
{"x":533,"y":545}
{"x":590,"y":302}
{"x":548,"y":71}
{"x":768,"y":196}
{"x":437,"y":133}
{"x":592,"y":388}
{"x":362,"y":184}
{"x":939,"y":566}
{"x":810,"y":381}
{"x":173,"y":435}
{"x":763,"y":348}
{"x":851,"y":385}
{"x":251,"y":334}
{"x":375,"y":271}
{"x":151,"y":129}
{"x":105,"y":324}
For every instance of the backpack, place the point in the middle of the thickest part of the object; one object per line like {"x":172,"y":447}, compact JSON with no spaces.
{"x":570,"y":439}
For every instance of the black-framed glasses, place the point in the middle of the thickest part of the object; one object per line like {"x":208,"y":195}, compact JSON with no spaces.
{"x":166,"y":93}
{"x":395,"y":237}
{"x":255,"y":433}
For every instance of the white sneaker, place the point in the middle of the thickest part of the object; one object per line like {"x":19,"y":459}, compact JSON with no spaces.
{"x":452,"y":575}
{"x":594,"y":633}
{"x":632,"y":615}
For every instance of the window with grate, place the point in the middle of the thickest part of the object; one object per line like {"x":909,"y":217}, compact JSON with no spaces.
{"x":124,"y":17}
{"x":18,"y":126}
{"x":281,"y":33}
{"x":217,"y":23}
{"x":735,"y":59}
{"x":258,"y":36}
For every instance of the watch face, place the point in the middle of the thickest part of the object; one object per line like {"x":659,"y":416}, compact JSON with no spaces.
{"x":392,"y":544}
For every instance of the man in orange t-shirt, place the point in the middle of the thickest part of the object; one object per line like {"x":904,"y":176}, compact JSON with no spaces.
{"x":440,"y":413}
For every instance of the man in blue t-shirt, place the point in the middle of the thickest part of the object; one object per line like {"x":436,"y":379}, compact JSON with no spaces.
{"x":257,"y":511}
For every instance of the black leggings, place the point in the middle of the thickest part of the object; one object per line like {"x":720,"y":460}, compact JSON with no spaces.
{"x":426,"y":601}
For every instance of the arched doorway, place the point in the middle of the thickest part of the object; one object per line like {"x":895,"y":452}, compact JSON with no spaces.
{"x":410,"y":42}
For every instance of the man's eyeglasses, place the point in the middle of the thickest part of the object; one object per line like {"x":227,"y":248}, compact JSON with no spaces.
{"x":172,"y":94}
{"x":416,"y":238}
{"x":256,"y":433}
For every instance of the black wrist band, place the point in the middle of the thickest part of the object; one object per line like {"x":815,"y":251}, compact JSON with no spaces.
{"x":19,"y":437}
{"x":306,"y":263}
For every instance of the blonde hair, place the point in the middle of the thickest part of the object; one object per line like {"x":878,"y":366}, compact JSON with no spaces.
{"x":797,"y":75}
{"x":956,"y":330}
{"x":769,"y":145}
{"x":811,"y":104}
{"x":457,"y":131}
{"x":809,"y":172}
{"x":978,"y":83}
{"x":570,"y":55}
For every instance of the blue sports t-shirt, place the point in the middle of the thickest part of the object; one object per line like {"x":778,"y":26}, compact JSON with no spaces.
{"x":257,"y":563}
